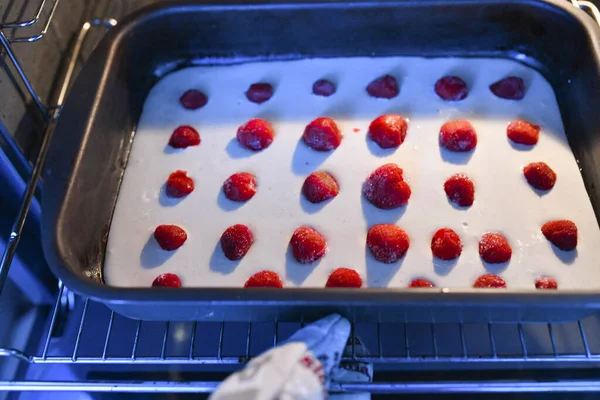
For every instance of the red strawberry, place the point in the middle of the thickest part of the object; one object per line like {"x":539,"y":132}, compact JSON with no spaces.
{"x":388,"y":130}
{"x":388,"y":243}
{"x":385,"y":87}
{"x":460,"y":190}
{"x":264,"y":279}
{"x":307,"y":245}
{"x":458,"y":135}
{"x":236,"y":241}
{"x":183,"y":137}
{"x":322,"y":134}
{"x":193,"y":99}
{"x":420,"y":283}
{"x":323,"y":87}
{"x":170,"y":237}
{"x":385,"y":187}
{"x":344,"y":278}
{"x":240,"y":186}
{"x":179,"y":184}
{"x":320,"y":186}
{"x":489,"y":281}
{"x":256,"y":134}
{"x":446,"y":244}
{"x":494,"y":248}
{"x":511,"y":88}
{"x":540,"y":175}
{"x":561,"y":233}
{"x":523,"y":132}
{"x":167,"y":280}
{"x":546,"y":283}
{"x":259,"y":92}
{"x":451,"y":88}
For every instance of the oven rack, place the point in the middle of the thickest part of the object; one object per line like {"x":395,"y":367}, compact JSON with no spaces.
{"x":33,"y":32}
{"x":136,"y":344}
{"x":399,"y":346}
{"x":43,"y":11}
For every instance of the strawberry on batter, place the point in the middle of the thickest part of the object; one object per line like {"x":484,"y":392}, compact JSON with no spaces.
{"x":523,"y":132}
{"x":494,"y":248}
{"x":451,"y":88}
{"x":385,"y":188}
{"x":322,"y":134}
{"x":259,"y":92}
{"x":264,"y":279}
{"x":184,"y":136}
{"x":307,"y":245}
{"x":446,"y":244}
{"x":384,"y":87}
{"x":420,"y":283}
{"x":168,"y":280}
{"x":256,"y":134}
{"x":344,"y":278}
{"x":170,"y":237}
{"x":388,"y":130}
{"x":561,"y":233}
{"x":179,"y":184}
{"x":236,"y":241}
{"x":458,"y":135}
{"x":460,"y":190}
{"x":510,"y":88}
{"x":546,"y":282}
{"x":540,"y":175}
{"x":193,"y":99}
{"x":323,"y":87}
{"x":240,"y":186}
{"x":388,"y":243}
{"x":320,"y":186}
{"x":489,"y":281}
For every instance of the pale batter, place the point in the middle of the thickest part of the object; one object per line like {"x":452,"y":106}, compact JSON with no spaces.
{"x":504,"y":202}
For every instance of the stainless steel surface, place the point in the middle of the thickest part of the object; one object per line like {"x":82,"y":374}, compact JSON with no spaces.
{"x":562,"y":346}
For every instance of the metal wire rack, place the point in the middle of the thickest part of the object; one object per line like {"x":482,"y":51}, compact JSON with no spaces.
{"x":44,"y":7}
{"x":103,"y":337}
{"x":400,"y":345}
{"x":184,"y":342}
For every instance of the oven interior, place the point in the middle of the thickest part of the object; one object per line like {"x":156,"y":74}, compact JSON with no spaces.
{"x":57,"y":341}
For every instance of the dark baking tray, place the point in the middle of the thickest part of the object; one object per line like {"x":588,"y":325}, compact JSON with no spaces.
{"x":94,"y":135}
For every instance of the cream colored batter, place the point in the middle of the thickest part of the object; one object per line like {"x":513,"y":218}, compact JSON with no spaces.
{"x":504,"y":202}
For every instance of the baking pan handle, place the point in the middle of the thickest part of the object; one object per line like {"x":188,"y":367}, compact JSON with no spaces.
{"x":589,"y":7}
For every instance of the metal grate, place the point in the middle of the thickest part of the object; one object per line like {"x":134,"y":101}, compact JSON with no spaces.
{"x":32,"y":32}
{"x":103,"y":337}
{"x":170,"y":342}
{"x":44,"y":10}
{"x":134,"y":343}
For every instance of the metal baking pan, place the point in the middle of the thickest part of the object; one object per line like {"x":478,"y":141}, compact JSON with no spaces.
{"x":94,"y":135}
